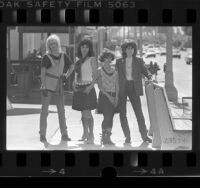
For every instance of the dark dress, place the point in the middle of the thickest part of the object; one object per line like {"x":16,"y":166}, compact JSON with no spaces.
{"x":83,"y":101}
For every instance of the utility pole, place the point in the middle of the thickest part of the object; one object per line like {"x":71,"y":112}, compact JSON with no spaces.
{"x":140,"y":43}
{"x":128,"y":33}
{"x":171,"y":91}
{"x":124,"y":33}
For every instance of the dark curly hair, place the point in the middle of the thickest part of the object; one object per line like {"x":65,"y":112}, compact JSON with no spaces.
{"x":105,"y":54}
{"x":125,"y":45}
{"x":88,"y":43}
{"x":81,"y":60}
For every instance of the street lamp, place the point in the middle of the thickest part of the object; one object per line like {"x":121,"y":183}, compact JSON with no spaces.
{"x":140,"y":43}
{"x":171,"y":91}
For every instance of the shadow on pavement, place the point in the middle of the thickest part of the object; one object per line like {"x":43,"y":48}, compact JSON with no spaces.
{"x":61,"y":146}
{"x":83,"y":146}
{"x":144,"y":146}
{"x":24,"y":111}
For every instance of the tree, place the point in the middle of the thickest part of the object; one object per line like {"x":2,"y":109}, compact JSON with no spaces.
{"x":177,"y":43}
{"x":187,"y":30}
{"x":162,"y":30}
{"x":171,"y":91}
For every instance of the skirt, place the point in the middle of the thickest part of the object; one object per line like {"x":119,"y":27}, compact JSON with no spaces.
{"x":82,"y":101}
{"x":104,"y":103}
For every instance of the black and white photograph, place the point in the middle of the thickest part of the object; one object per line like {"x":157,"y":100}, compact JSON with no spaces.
{"x":99,"y":88}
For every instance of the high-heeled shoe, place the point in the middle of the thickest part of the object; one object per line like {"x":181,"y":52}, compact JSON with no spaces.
{"x":90,"y":139}
{"x":84,"y":137}
{"x":147,"y":139}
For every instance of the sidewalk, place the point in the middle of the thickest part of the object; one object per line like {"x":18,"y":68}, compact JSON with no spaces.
{"x":23,"y":127}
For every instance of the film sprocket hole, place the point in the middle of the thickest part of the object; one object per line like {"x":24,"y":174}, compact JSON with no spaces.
{"x":138,"y":116}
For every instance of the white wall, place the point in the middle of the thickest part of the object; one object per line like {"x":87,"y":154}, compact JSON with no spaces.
{"x":14,"y":45}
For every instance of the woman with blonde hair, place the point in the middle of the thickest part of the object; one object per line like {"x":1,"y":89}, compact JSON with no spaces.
{"x":55,"y":66}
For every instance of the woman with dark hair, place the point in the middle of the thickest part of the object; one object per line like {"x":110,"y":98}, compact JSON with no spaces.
{"x":84,"y":98}
{"x":108,"y":95}
{"x":130,"y":69}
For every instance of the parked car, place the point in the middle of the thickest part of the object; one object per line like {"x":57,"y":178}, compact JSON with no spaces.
{"x":188,"y":58}
{"x":157,"y":50}
{"x":163,"y":52}
{"x":150,"y":54}
{"x":183,"y":49}
{"x":176,"y":53}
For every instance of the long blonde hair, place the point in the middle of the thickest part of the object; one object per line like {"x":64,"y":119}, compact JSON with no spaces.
{"x":53,"y":37}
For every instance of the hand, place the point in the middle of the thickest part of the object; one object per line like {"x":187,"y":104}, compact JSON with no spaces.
{"x":66,"y":75}
{"x":112,"y":100}
{"x":116,"y":102}
{"x":63,"y":77}
{"x":87,"y":89}
{"x":74,"y":86}
{"x":45,"y":93}
{"x":42,"y":87}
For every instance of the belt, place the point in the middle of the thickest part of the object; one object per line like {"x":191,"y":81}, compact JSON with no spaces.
{"x":52,"y":76}
{"x":81,"y":87}
{"x":83,"y":83}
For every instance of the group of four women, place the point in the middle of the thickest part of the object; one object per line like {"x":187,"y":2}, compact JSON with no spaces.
{"x":56,"y":65}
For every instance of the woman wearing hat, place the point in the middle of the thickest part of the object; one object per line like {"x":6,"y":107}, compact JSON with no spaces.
{"x":84,"y":98}
{"x":108,"y":95}
{"x":130,"y":69}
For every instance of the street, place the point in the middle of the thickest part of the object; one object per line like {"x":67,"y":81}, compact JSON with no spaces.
{"x":182,"y":73}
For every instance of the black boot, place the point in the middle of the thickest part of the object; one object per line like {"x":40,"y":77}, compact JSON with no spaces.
{"x":106,"y":138}
{"x":65,"y":137}
{"x":43,"y":139}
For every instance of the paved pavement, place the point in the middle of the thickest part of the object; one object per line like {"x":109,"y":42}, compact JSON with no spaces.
{"x":23,"y":127}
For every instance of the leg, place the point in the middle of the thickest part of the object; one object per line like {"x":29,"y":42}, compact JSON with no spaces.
{"x":84,"y":120}
{"x":123,"y":118}
{"x":137,"y":107}
{"x":61,"y":116}
{"x":85,"y":129}
{"x":89,"y":121}
{"x":44,"y":114}
{"x":107,"y":126}
{"x":108,"y":113}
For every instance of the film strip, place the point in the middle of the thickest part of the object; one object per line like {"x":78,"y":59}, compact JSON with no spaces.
{"x":99,"y":163}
